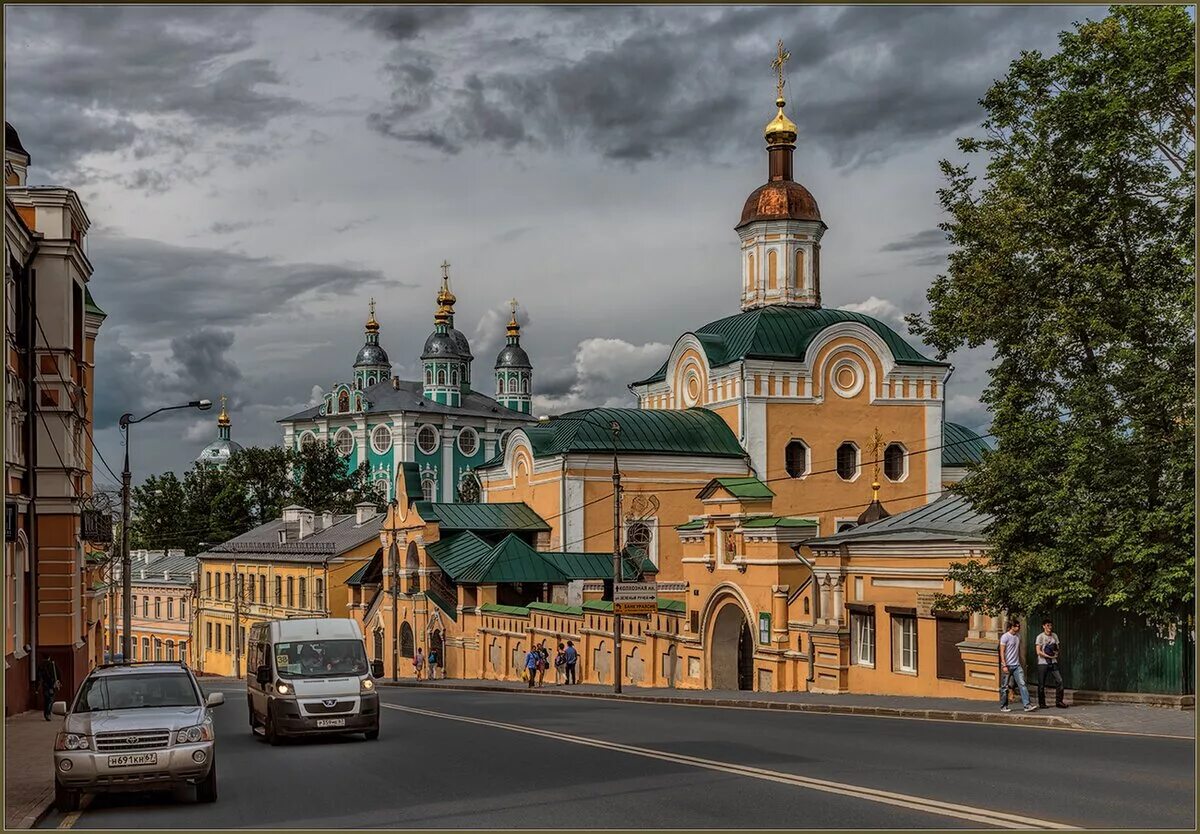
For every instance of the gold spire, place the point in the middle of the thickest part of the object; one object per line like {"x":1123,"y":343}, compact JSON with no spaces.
{"x":372,"y":325}
{"x":223,"y":417}
{"x":781,"y":129}
{"x":514,"y":328}
{"x":445,"y":298}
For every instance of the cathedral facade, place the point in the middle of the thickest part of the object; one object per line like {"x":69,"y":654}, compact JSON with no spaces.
{"x":441,"y":422}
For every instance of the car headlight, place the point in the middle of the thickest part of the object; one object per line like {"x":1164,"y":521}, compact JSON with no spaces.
{"x":71,"y":741}
{"x":282,"y":688}
{"x":366,"y":685}
{"x":191,"y":735}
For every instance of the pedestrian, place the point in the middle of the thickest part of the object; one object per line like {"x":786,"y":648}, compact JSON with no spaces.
{"x":48,"y":683}
{"x":1010,"y":666}
{"x":560,"y":665}
{"x":419,"y":664}
{"x":433,"y":663}
{"x":571,"y":657}
{"x":543,"y":663}
{"x":531,"y":665}
{"x":1048,"y":649}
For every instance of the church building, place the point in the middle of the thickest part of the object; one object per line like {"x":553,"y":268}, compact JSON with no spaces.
{"x":440,"y":422}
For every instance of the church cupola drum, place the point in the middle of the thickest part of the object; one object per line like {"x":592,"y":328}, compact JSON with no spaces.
{"x":371,"y":366}
{"x":447,"y":356}
{"x":514,"y":371}
{"x":781,"y":226}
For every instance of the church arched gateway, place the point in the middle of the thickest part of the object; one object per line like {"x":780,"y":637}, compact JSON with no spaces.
{"x":731,"y":649}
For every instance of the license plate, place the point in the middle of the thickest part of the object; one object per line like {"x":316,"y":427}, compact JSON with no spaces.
{"x":131,"y":759}
{"x":331,"y":722}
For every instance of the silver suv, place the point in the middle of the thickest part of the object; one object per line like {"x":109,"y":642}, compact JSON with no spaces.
{"x":136,"y":727}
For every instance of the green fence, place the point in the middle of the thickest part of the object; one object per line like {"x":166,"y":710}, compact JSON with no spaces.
{"x":1108,"y":651}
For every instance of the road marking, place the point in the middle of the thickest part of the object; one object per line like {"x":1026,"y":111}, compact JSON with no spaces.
{"x":70,"y":819}
{"x":999,"y":819}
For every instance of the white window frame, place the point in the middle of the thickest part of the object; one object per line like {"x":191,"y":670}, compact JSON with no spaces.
{"x":857,"y":461}
{"x":307,"y":439}
{"x":468,"y":431}
{"x":337,"y":442}
{"x":904,"y":658}
{"x":429,"y":489}
{"x":903,"y":463}
{"x":863,"y":630}
{"x":807,"y":459}
{"x":437,"y":436}
{"x":384,"y":432}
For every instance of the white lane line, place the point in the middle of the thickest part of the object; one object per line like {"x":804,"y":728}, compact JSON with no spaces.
{"x":931,"y":806}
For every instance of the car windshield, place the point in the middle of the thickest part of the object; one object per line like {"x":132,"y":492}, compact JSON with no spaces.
{"x":320,"y":658}
{"x":136,"y":691}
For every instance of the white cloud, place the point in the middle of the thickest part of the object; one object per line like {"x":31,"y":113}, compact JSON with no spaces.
{"x":316,"y":397}
{"x":603,"y":369}
{"x":877,"y":307}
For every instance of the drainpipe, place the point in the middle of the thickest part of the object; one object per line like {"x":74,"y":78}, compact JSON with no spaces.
{"x":30,"y":305}
{"x":816,"y":603}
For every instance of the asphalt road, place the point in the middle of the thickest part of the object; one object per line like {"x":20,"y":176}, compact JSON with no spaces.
{"x":450,"y":759}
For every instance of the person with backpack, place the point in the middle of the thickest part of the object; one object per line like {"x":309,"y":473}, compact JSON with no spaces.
{"x":48,"y":682}
{"x":571,"y":656}
{"x":1048,"y":648}
{"x":560,"y":665}
{"x":433,"y":663}
{"x":531,"y":666}
{"x":419,"y":664}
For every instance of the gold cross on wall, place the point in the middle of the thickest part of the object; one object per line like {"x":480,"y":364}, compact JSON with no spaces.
{"x":780,"y":59}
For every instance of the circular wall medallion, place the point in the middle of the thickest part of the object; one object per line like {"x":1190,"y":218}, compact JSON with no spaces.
{"x":846,"y":377}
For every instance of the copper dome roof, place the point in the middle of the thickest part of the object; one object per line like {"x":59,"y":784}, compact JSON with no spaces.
{"x":780,"y":200}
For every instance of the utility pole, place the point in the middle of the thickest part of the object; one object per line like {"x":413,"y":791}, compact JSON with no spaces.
{"x":238,"y":588}
{"x":394,"y":559}
{"x":616,"y":478}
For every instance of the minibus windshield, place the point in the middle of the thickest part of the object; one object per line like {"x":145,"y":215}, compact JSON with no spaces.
{"x":320,"y":658}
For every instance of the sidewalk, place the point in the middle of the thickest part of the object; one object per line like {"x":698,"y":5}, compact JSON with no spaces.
{"x":28,"y":767}
{"x":1129,"y":718}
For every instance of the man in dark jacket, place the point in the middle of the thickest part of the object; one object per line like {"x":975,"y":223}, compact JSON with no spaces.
{"x":48,"y":683}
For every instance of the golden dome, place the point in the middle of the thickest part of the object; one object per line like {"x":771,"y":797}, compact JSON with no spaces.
{"x":514,"y":328}
{"x":372,"y":324}
{"x":223,"y":417}
{"x":780,"y":129}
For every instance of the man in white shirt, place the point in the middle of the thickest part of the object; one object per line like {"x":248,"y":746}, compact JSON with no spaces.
{"x":1010,"y":666}
{"x":1048,"y":649}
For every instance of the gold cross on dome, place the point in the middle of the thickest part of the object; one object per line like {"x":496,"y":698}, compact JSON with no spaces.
{"x":371,"y":306}
{"x":876,"y":445}
{"x":445,"y":270}
{"x":222,"y":402}
{"x":780,"y":59}
{"x":512,"y":303}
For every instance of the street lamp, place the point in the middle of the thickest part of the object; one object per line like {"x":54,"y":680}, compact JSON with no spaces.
{"x":126,"y":573}
{"x":615,"y":428}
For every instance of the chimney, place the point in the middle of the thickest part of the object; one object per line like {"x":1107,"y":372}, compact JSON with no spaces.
{"x":396,"y":383}
{"x":305,"y":517}
{"x":326,"y":520}
{"x":364,"y":511}
{"x":291,"y":514}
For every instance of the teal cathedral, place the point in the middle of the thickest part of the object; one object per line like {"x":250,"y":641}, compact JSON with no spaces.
{"x":440,"y":422}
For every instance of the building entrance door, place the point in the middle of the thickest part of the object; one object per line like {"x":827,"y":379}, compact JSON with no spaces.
{"x":731,"y":657}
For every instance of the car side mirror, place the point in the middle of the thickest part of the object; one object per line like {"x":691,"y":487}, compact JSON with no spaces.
{"x":377,"y":668}
{"x":215,"y":699}
{"x":262,"y":675}
{"x":59,"y":708}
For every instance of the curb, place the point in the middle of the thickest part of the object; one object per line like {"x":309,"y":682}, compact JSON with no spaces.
{"x":787,"y":706}
{"x":45,"y":805}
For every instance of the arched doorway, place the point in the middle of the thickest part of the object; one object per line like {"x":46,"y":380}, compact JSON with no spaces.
{"x":406,"y":640}
{"x":378,"y":644}
{"x":731,"y":658}
{"x":436,"y":643}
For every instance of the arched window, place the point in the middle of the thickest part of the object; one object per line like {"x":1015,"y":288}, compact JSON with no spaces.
{"x":525,"y":386}
{"x":441,"y":377}
{"x":428,"y":488}
{"x":378,"y":644}
{"x":454,"y":376}
{"x":291,"y":592}
{"x":307,"y":440}
{"x":799,"y":268}
{"x":428,"y":377}
{"x":512,"y":385}
{"x":343,"y":401}
{"x":847,"y":461}
{"x":751,"y":276}
{"x":894,"y":462}
{"x":412,"y":565}
{"x":170,"y":650}
{"x":344,"y":442}
{"x":772,"y":270}
{"x":806,"y":605}
{"x":406,"y":640}
{"x":796,"y":459}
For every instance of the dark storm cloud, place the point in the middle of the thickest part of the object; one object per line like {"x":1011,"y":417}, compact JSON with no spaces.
{"x":202,"y":357}
{"x":159,"y":289}
{"x":927,"y":239}
{"x":404,"y":23}
{"x":84,"y":79}
{"x":864,"y":82}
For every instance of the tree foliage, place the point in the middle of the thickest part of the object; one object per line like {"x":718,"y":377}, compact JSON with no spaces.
{"x":1073,"y":258}
{"x":212,"y":505}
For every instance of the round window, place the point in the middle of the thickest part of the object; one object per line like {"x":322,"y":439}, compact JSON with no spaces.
{"x":344,"y":442}
{"x":427,"y":439}
{"x":468,"y":441}
{"x":381,"y":439}
{"x":307,"y":440}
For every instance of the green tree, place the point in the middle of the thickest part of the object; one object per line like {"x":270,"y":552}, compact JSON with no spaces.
{"x":1073,"y":259}
{"x":322,"y":482}
{"x":156,"y":522}
{"x":264,"y":480}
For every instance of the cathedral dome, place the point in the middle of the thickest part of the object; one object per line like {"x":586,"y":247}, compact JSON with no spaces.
{"x":219,"y":451}
{"x":448,"y":344}
{"x":371,"y":355}
{"x":780,"y":200}
{"x":513,"y":356}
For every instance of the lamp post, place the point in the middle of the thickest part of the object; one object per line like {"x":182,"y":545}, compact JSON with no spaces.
{"x":394,"y":560}
{"x":615,"y":428}
{"x":126,"y":574}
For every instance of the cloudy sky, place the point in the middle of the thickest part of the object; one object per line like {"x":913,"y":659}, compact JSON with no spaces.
{"x":255,"y":175}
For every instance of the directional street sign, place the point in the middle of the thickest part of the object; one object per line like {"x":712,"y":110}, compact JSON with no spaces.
{"x":635,"y":597}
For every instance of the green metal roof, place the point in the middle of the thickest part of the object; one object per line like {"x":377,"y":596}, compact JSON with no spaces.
{"x":483,"y":517}
{"x":511,"y":610}
{"x":961,"y":446}
{"x":596,"y":565}
{"x":90,"y":305}
{"x":554,"y":608}
{"x":696,"y":431}
{"x":778,"y":521}
{"x":778,"y":332}
{"x":450,"y":609}
{"x":694,"y":524}
{"x":458,"y":554}
{"x":512,"y":561}
{"x":672,"y":606}
{"x":950,"y":518}
{"x":410,"y":471}
{"x":597,"y":605}
{"x":738,"y":488}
